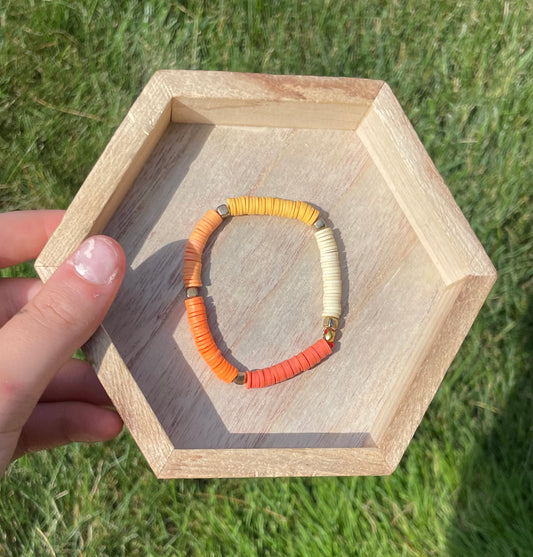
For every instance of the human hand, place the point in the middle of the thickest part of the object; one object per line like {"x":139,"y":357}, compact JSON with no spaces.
{"x":47,"y":398}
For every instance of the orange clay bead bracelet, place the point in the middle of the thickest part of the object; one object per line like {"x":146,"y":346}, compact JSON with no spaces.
{"x":196,"y":312}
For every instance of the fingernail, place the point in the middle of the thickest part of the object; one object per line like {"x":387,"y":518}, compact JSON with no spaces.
{"x":96,"y":260}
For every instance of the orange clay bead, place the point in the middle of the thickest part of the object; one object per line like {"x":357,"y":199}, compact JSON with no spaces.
{"x":288,"y":368}
{"x":204,"y":340}
{"x":196,"y":311}
{"x":192,"y":266}
{"x":272,"y":206}
{"x":287,"y":371}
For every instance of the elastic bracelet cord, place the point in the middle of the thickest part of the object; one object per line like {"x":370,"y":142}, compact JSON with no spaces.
{"x":196,"y":311}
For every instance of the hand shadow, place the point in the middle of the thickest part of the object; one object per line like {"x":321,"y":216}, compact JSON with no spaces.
{"x":147,"y":321}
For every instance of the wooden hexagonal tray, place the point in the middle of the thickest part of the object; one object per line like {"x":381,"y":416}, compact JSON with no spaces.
{"x":414,"y":274}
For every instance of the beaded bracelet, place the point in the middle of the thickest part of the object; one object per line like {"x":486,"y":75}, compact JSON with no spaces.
{"x":196,"y":312}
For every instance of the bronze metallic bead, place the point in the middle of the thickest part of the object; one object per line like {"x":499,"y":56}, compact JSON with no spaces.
{"x":192,"y":292}
{"x":223,"y":211}
{"x":330,"y":323}
{"x":239,"y":380}
{"x":319,"y":224}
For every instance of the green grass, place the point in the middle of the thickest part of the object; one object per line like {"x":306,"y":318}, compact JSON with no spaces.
{"x":462,"y":71}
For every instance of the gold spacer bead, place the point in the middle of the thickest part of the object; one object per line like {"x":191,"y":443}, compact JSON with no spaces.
{"x":329,"y":335}
{"x":319,"y":224}
{"x":239,"y":380}
{"x":192,"y":292}
{"x":223,"y":211}
{"x":330,"y":323}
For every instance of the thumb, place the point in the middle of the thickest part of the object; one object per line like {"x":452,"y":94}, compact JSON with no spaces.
{"x":38,"y":340}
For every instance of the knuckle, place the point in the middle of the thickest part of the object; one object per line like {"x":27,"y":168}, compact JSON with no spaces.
{"x":53,"y":311}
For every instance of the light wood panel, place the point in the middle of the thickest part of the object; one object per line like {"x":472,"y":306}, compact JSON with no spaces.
{"x":414,"y":275}
{"x":246,"y":99}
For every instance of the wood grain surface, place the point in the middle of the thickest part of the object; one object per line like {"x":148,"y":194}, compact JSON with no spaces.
{"x":414,"y":275}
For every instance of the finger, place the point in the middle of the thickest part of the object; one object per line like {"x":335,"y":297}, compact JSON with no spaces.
{"x":41,"y":338}
{"x":53,"y":424}
{"x":15,"y":293}
{"x":23,"y":234}
{"x":76,"y":381}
